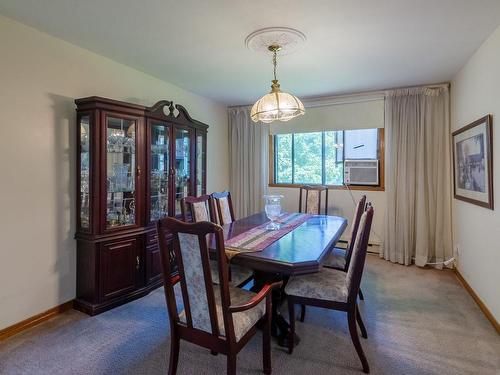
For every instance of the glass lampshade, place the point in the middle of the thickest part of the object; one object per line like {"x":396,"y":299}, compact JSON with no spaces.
{"x":276,"y":105}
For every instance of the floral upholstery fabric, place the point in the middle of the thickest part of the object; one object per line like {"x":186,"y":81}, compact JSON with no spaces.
{"x":336,"y":259}
{"x":200,"y":212}
{"x":242,"y":321}
{"x":226,"y":212}
{"x":329,"y":285}
{"x":312,"y":202}
{"x":237,"y":276}
{"x":195,"y":281}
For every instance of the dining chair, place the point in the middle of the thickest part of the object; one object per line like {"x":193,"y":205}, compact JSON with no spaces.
{"x":224,"y":212}
{"x":312,"y":201}
{"x":196,"y":209}
{"x":220,"y":317}
{"x":339,"y":258}
{"x":335,"y":289}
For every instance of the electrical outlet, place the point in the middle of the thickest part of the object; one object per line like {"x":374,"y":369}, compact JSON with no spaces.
{"x":457,"y":251}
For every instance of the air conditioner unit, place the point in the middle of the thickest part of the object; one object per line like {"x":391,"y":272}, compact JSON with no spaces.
{"x":361,"y":172}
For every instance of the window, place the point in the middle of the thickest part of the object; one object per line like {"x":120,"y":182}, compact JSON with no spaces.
{"x":318,"y":158}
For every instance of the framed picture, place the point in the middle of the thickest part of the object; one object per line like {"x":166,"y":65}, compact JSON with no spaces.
{"x":473,"y":163}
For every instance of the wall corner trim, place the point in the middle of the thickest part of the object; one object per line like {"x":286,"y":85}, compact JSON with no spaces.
{"x":34,"y":320}
{"x":478,"y":301}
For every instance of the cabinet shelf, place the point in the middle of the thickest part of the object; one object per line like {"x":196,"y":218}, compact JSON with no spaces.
{"x":120,"y":152}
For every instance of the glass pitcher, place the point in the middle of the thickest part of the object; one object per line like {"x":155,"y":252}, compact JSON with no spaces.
{"x":273,"y":210}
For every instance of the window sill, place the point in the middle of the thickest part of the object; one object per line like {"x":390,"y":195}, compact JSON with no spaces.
{"x":333,"y":187}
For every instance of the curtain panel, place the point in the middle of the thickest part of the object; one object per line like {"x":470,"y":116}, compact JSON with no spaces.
{"x":248,"y":161}
{"x":418,"y":176}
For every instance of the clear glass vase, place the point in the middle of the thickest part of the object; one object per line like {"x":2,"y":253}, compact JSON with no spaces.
{"x":273,"y":210}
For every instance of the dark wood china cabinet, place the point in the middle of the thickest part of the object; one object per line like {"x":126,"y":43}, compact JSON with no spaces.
{"x":135,"y":163}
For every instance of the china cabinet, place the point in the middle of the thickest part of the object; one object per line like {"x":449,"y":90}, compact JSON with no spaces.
{"x":135,"y":164}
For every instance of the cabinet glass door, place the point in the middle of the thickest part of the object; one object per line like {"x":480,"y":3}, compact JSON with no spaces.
{"x":85,"y":172}
{"x":182,"y":165}
{"x":121,"y":166}
{"x":200,"y":163}
{"x":159,"y":159}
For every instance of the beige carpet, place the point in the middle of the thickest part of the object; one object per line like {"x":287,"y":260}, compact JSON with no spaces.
{"x":418,"y":321}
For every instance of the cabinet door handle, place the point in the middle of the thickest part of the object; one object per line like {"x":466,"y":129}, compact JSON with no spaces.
{"x":137,"y":262}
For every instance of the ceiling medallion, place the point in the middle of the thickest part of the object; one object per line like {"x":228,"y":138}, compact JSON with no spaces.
{"x":276,"y":105}
{"x":290,"y":40}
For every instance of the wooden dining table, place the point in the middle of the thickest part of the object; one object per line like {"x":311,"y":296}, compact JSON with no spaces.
{"x":298,"y":252}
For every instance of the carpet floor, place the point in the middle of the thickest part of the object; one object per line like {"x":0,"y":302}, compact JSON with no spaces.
{"x":419,"y":321}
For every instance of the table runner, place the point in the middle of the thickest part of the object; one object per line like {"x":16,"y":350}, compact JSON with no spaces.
{"x":258,"y":238}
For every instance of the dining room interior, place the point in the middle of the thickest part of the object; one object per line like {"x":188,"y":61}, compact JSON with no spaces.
{"x":234,"y":187}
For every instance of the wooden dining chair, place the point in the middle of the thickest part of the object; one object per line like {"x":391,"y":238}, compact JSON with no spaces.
{"x":196,"y":209}
{"x":312,"y":201}
{"x":218,"y":317}
{"x":339,"y":258}
{"x":224,"y":212}
{"x":335,"y":289}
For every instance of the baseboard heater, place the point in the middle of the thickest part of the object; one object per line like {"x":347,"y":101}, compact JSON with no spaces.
{"x":369,"y":245}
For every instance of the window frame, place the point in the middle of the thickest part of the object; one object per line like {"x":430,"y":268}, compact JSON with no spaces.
{"x":380,"y":156}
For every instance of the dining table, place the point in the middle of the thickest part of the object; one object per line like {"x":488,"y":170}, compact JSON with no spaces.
{"x":300,"y":251}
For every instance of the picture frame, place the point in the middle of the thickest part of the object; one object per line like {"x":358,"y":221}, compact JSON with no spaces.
{"x":473,"y":163}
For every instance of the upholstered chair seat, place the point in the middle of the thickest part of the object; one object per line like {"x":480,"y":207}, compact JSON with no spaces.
{"x":243,"y":320}
{"x":327,"y":285}
{"x":337,"y":259}
{"x":238,"y":275}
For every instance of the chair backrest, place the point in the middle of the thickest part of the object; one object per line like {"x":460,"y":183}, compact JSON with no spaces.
{"x":313,"y":199}
{"x":358,"y":211}
{"x":224,"y":212}
{"x":355,"y":271}
{"x":198,"y":292}
{"x":197,"y":209}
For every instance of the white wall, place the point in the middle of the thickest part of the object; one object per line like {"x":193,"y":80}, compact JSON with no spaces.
{"x":340,"y":203}
{"x":40,"y":76}
{"x":475,"y":92}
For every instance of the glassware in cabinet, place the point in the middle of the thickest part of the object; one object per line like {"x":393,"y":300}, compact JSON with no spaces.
{"x":201,"y":145}
{"x":182,"y":165}
{"x":120,"y":167}
{"x":159,"y":170}
{"x":85,"y":172}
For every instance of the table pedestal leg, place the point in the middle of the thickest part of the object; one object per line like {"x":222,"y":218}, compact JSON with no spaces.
{"x":280,"y":328}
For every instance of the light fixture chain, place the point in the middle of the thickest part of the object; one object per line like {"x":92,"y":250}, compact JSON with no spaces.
{"x":274,"y":63}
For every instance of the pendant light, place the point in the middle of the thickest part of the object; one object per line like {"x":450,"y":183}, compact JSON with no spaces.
{"x":277,"y":105}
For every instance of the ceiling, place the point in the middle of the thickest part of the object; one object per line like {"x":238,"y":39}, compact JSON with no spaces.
{"x":352,"y":46}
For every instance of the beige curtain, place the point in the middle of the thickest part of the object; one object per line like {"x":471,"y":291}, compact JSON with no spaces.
{"x":418,"y":176}
{"x":248,"y":161}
